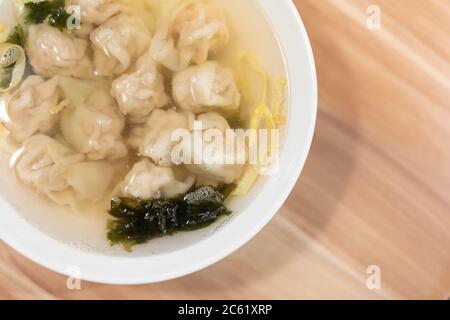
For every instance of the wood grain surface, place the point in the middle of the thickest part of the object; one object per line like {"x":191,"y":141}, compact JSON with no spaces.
{"x":375,"y":190}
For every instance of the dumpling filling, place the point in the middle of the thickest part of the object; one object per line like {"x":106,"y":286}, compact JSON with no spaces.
{"x":188,"y":34}
{"x":53,"y":52}
{"x":155,"y":139}
{"x":118,"y":43}
{"x":30,"y":108}
{"x":140,"y":91}
{"x":95,"y":128}
{"x":206,"y":87}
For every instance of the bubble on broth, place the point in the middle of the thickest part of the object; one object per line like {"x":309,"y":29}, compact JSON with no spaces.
{"x":203,"y":194}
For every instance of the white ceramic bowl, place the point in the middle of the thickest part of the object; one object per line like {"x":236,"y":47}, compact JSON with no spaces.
{"x":54,"y":244}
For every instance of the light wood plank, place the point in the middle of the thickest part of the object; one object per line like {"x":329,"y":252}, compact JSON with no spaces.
{"x":375,"y":187}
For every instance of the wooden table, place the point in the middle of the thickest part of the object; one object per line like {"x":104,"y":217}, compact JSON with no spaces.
{"x":376,"y":187}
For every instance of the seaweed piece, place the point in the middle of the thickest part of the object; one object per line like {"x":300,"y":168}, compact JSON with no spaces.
{"x":138,"y":221}
{"x":58,"y":18}
{"x":38,"y":11}
{"x":54,"y":10}
{"x":17,"y":37}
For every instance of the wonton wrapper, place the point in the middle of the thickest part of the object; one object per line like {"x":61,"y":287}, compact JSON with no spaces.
{"x":218,"y":164}
{"x":29,"y":108}
{"x":187,"y":32}
{"x":206,"y":87}
{"x":154,"y":139}
{"x":76,"y":91}
{"x":61,"y":174}
{"x":140,"y":91}
{"x":43,"y":163}
{"x":118,"y":43}
{"x":148,"y":181}
{"x":95,"y":11}
{"x":90,"y":180}
{"x":95,"y":127}
{"x":52,"y":52}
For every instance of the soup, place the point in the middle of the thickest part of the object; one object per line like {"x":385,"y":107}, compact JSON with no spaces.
{"x":89,"y":130}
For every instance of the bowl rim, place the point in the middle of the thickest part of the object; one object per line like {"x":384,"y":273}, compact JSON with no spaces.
{"x":58,"y":257}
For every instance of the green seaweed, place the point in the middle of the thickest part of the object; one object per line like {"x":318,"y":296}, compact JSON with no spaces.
{"x":138,"y":221}
{"x":38,"y":12}
{"x":17,"y":36}
{"x":58,"y":18}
